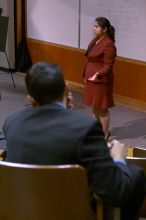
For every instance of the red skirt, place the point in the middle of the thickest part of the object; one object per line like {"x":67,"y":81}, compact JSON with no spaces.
{"x":99,"y":95}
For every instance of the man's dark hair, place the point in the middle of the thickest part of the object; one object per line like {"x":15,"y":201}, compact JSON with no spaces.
{"x":45,"y":82}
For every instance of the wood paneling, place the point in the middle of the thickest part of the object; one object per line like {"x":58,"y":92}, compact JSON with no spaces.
{"x":19,"y":25}
{"x":71,"y":60}
{"x":130,"y":78}
{"x":130,"y":75}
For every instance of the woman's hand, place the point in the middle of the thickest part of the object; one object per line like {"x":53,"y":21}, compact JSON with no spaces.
{"x":94,"y":77}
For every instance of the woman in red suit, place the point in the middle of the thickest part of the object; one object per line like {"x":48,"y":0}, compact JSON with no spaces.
{"x":98,"y":74}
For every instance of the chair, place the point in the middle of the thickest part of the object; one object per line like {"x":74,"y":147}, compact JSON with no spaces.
{"x":43,"y":192}
{"x":140,"y":161}
{"x":47,"y":192}
{"x":2,"y":154}
{"x":139,"y":152}
{"x":2,"y":148}
{"x":136,"y":151}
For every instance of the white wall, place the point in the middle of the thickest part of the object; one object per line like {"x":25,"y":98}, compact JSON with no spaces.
{"x":129,"y":19}
{"x":8,"y":10}
{"x":58,"y":21}
{"x":53,"y":21}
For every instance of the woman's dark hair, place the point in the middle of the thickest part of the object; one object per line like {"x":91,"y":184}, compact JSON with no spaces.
{"x":45,"y":82}
{"x":105,"y":24}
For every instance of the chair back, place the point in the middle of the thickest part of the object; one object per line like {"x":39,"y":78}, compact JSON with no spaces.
{"x":140,"y":161}
{"x":139,"y":152}
{"x":43,"y":192}
{"x":136,"y":151}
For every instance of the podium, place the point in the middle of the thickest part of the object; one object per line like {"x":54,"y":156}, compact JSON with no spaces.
{"x":3,"y":37}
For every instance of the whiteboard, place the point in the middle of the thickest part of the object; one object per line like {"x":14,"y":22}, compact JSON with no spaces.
{"x":129,"y":19}
{"x":88,"y":15}
{"x":53,"y":21}
{"x":63,"y":22}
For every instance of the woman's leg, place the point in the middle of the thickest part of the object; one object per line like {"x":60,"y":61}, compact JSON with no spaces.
{"x":103,"y":116}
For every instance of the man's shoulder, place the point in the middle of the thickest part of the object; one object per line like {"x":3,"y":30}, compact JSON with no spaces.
{"x":78,"y":113}
{"x":16,"y":115}
{"x":81,"y":117}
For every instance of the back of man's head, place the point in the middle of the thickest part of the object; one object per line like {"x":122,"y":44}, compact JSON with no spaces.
{"x":45,"y":83}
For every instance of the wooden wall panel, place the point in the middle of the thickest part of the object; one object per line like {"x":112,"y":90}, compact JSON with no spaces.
{"x":130,"y":78}
{"x":70,"y":60}
{"x":18,"y":23}
{"x":141,"y":82}
{"x":130,"y":75}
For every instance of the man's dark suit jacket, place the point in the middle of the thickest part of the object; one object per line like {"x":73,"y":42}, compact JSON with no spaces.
{"x":51,"y":134}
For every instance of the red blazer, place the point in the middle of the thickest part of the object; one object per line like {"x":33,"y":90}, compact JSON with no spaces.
{"x":101,"y":57}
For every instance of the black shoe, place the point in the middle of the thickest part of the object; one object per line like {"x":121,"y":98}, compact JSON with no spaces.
{"x":107,"y":137}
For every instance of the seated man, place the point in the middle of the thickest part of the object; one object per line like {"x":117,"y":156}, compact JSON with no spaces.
{"x":49,"y":133}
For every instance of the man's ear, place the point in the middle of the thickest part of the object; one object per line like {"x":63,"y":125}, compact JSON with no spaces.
{"x":32,"y":100}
